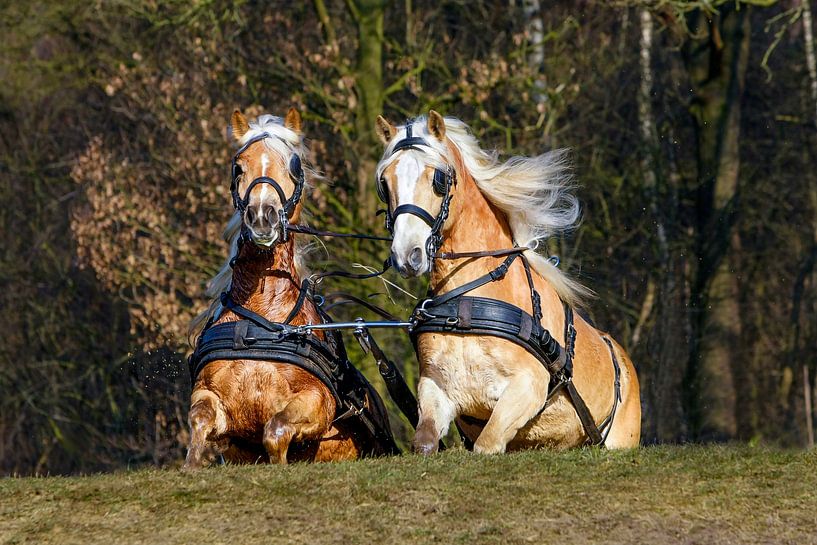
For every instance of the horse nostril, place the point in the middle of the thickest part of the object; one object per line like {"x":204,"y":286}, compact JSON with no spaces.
{"x":250,"y":217}
{"x":415,"y":258}
{"x":271,"y":216}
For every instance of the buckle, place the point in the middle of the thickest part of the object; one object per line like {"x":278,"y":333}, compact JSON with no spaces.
{"x":499,"y":272}
{"x":421,"y":312}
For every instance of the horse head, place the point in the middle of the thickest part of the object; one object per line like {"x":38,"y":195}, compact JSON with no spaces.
{"x":267,"y":175}
{"x":415,"y":181}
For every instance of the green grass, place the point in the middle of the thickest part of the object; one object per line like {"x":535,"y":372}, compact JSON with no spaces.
{"x":651,"y":495}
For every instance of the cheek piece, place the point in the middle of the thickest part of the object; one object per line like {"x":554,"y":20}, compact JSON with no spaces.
{"x":442,"y":183}
{"x":296,"y":172}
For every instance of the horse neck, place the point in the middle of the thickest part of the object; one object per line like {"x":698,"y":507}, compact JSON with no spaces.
{"x":476,"y":224}
{"x":267,"y":282}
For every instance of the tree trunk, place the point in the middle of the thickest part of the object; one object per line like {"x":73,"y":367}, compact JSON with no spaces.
{"x":717,"y":379}
{"x":667,"y":345}
{"x":536,"y":35}
{"x":368,"y":75}
{"x":798,"y":356}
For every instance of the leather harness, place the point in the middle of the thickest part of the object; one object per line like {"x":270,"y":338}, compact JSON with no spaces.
{"x":454,"y":312}
{"x":257,"y":339}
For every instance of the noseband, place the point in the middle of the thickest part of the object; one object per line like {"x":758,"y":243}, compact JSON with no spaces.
{"x":296,"y":172}
{"x":442,"y":183}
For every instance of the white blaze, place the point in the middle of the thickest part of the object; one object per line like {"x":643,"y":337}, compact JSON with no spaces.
{"x":409,"y":230}
{"x":264,"y":165}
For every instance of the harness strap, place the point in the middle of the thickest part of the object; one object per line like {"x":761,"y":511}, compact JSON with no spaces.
{"x":342,"y":298}
{"x":299,"y":303}
{"x":593,"y":434}
{"x":535,"y":300}
{"x":305,"y":229}
{"x":228,"y":303}
{"x":484,"y":253}
{"x":354,"y":276}
{"x":606,"y":425}
{"x":414,"y":210}
{"x":494,"y":275}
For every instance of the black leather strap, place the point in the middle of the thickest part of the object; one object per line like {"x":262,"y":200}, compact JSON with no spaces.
{"x":411,"y":142}
{"x":246,"y":340}
{"x":228,"y":303}
{"x":606,"y":425}
{"x":496,"y":274}
{"x":589,"y":425}
{"x":414,"y":210}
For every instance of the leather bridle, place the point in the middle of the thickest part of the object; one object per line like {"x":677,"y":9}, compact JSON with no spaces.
{"x":296,"y":172}
{"x":442,"y":183}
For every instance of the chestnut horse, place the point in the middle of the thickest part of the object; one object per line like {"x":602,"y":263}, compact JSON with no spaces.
{"x":251,"y":410}
{"x":456,"y":198}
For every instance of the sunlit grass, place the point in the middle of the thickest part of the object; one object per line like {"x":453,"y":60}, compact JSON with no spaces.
{"x":650,"y":495}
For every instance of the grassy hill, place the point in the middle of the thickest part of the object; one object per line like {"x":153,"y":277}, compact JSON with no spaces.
{"x":652,"y":495}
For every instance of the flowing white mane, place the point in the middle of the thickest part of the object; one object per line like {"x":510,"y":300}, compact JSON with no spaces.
{"x":284,"y":142}
{"x":535,"y":193}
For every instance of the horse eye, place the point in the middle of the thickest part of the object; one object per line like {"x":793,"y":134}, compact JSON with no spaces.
{"x":237,"y":172}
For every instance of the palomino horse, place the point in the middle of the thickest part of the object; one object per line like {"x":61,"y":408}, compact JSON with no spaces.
{"x":485,"y":217}
{"x":261,"y":392}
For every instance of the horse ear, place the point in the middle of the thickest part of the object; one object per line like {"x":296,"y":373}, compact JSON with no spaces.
{"x":239,"y":124}
{"x":385,"y":130}
{"x":293,"y":120}
{"x":436,"y":125}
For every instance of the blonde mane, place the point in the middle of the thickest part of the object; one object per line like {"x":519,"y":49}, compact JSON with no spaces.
{"x":284,"y":142}
{"x":535,"y":193}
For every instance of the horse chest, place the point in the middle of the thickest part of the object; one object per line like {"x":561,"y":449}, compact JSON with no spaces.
{"x":472,"y":371}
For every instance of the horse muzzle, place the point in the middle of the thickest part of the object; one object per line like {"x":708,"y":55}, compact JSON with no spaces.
{"x":410,"y":265}
{"x":263,"y":223}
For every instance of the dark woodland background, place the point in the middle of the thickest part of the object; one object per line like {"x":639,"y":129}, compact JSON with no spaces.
{"x":692,"y":130}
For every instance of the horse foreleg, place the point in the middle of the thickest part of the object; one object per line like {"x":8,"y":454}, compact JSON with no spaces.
{"x":204,"y":418}
{"x":305,"y":417}
{"x":521,"y":400}
{"x":436,"y":413}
